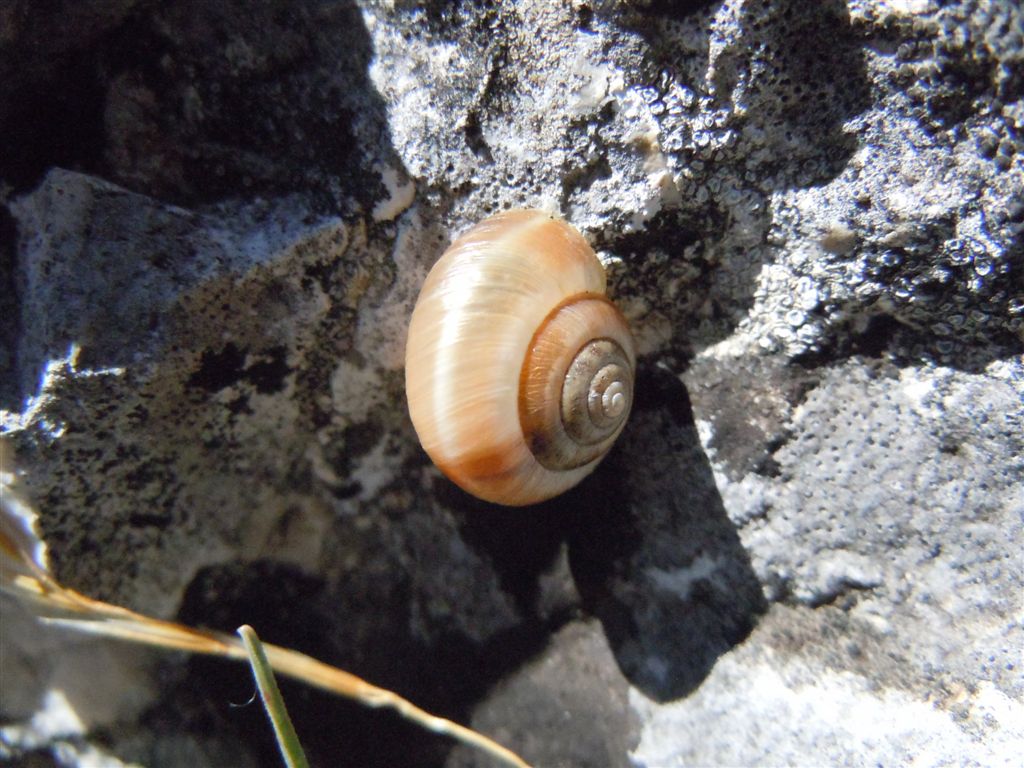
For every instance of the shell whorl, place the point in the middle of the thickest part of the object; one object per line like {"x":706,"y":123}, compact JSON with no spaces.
{"x":575,"y":388}
{"x":519,"y":371}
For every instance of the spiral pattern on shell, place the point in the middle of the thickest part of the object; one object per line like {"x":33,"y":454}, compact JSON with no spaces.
{"x":519,"y":370}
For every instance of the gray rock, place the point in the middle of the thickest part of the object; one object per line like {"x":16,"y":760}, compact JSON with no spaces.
{"x":805,"y":548}
{"x":569,"y":707}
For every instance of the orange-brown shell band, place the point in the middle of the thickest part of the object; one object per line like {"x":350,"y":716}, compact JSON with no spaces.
{"x":542,"y":428}
{"x":524,"y":372}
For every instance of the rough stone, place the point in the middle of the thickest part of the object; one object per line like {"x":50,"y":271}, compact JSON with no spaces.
{"x":549,"y":707}
{"x":806,"y":547}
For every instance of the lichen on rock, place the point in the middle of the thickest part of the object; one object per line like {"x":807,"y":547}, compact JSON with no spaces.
{"x":215,"y":221}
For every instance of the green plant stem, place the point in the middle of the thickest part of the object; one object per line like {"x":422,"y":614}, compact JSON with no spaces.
{"x":287,"y":739}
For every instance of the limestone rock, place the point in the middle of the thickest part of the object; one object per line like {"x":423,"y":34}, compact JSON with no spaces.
{"x":806,"y":547}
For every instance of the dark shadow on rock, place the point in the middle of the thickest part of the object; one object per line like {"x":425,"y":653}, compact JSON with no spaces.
{"x":10,"y":328}
{"x":793,"y":74}
{"x":289,"y":607}
{"x":189,"y":102}
{"x":780,"y":92}
{"x":654,"y":554}
{"x":521,"y":543}
{"x":51,"y":89}
{"x":361,"y":625}
{"x":888,"y":338}
{"x":787,"y":83}
{"x":799,"y":68}
{"x":195,"y":102}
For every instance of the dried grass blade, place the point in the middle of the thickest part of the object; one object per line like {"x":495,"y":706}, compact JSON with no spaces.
{"x":24,"y":574}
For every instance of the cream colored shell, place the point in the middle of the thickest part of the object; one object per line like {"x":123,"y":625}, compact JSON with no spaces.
{"x":519,"y":371}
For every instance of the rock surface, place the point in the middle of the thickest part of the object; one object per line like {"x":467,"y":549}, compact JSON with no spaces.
{"x":806,"y":548}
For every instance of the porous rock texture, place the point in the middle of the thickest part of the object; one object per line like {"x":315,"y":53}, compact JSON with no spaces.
{"x":807,"y":547}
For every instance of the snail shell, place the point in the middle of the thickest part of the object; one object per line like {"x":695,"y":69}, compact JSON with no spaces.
{"x":518,"y":370}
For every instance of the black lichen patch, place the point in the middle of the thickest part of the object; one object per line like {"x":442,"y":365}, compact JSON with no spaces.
{"x":880,"y":336}
{"x":268,"y":371}
{"x":218,"y":370}
{"x":231,"y":365}
{"x":475,"y":137}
